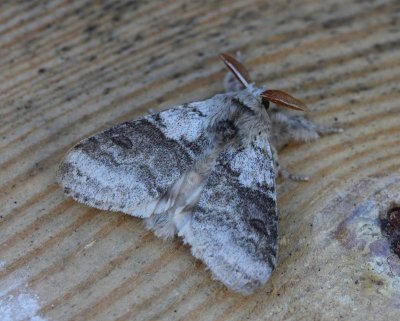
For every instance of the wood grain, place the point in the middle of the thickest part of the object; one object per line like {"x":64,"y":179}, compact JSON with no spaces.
{"x":71,"y":68}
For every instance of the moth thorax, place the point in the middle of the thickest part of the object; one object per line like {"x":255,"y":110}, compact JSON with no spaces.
{"x":225,"y":130}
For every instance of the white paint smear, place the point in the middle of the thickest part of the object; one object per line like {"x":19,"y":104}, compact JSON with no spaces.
{"x":19,"y":307}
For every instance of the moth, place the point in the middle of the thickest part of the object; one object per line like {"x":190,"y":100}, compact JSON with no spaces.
{"x":204,"y":171}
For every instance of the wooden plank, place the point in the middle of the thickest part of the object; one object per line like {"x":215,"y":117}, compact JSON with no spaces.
{"x":69,"y":69}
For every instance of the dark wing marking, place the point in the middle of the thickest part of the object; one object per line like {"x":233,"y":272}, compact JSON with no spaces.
{"x":128,"y":167}
{"x":234,"y":225}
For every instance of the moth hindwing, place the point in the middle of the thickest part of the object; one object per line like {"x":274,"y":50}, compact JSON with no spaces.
{"x":204,"y":171}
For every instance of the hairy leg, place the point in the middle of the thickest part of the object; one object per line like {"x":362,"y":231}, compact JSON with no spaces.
{"x":282,"y":171}
{"x":286,"y":128}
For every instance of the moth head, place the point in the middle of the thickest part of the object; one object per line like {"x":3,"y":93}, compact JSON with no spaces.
{"x":278,"y":97}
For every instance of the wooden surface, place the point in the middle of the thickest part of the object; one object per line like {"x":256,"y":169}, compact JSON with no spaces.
{"x":71,"y":68}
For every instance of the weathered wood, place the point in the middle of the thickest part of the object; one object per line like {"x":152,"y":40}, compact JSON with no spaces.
{"x":71,"y":68}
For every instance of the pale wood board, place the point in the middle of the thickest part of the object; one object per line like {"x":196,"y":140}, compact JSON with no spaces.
{"x":71,"y":68}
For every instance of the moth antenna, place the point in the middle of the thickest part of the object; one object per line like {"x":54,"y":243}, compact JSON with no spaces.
{"x":237,"y":68}
{"x":283,"y":99}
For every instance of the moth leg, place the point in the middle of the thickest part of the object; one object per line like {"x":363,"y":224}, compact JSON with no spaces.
{"x":296,"y":128}
{"x":161,"y":224}
{"x":326,"y":130}
{"x":230,"y":81}
{"x":298,"y":178}
{"x":283,"y":172}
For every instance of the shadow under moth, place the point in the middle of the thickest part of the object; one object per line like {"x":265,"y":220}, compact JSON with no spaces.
{"x":204,"y":171}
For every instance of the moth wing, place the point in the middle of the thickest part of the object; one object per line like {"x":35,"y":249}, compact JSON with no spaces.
{"x":128,"y":167}
{"x":233,"y":228}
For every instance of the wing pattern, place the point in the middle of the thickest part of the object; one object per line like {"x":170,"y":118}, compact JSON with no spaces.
{"x":128,"y":167}
{"x":234,"y":226}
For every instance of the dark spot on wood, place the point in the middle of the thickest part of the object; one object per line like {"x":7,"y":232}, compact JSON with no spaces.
{"x":108,"y":6}
{"x":390,"y":226}
{"x":352,"y":101}
{"x":41,"y":70}
{"x":91,"y":28}
{"x":215,"y":34}
{"x":124,"y":48}
{"x":177,"y":42}
{"x":65,"y":48}
{"x":106,"y":91}
{"x":363,"y":87}
{"x":133,"y":3}
{"x":176,"y":75}
{"x":138,"y":37}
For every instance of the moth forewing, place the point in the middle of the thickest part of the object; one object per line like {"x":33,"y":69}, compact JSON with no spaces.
{"x":130,"y":166}
{"x":234,"y":224}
